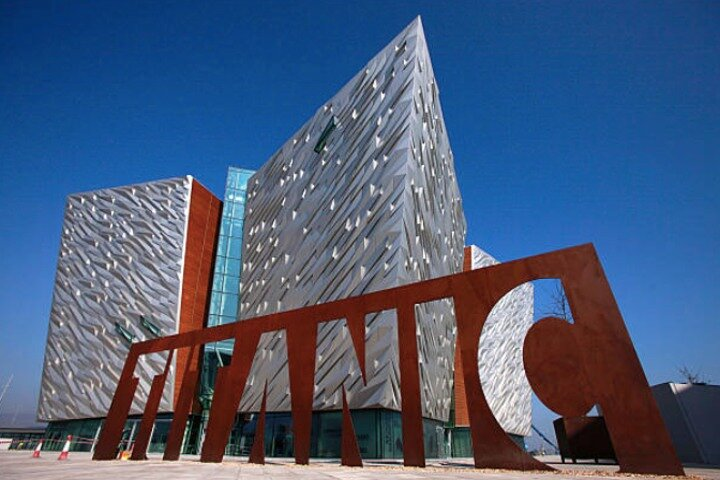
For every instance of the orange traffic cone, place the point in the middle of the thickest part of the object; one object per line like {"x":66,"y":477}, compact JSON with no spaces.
{"x":64,"y":454}
{"x":36,"y":452}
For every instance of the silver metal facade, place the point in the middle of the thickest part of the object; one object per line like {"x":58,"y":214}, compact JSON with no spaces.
{"x":121,"y":257}
{"x":500,"y":360}
{"x":362,"y":198}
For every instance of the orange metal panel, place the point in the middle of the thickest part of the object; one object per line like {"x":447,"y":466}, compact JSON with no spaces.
{"x":350,"y":452}
{"x":200,"y":246}
{"x":257,"y":454}
{"x":462,"y":418}
{"x":139,"y":450}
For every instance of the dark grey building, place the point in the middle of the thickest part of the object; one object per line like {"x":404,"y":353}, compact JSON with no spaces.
{"x":692,"y":416}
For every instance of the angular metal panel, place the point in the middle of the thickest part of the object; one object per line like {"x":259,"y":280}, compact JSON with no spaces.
{"x":120,"y":258}
{"x":362,"y":198}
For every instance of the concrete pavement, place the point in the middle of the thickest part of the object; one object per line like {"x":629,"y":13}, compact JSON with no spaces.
{"x":19,"y":465}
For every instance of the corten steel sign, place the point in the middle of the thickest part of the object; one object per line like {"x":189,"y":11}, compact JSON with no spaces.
{"x":570,"y":366}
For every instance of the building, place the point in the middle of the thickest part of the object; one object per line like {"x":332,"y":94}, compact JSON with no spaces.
{"x":690,"y":412}
{"x":135,"y":262}
{"x":19,"y":438}
{"x":363,"y":197}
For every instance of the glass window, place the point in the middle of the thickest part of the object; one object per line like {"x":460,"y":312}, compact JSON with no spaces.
{"x":278,"y":435}
{"x":217,"y":282}
{"x":229,"y":305}
{"x":232,"y":285}
{"x":366,"y":431}
{"x":159,"y":436}
{"x":227,"y":319}
{"x":242,"y":180}
{"x":224,"y":226}
{"x":212,"y":319}
{"x":222,"y":245}
{"x":232,"y":267}
{"x":237,"y":227}
{"x":220,"y":265}
{"x":328,"y":430}
{"x":461,"y":442}
{"x":234,"y":249}
{"x":232,"y":177}
{"x":215,"y":303}
{"x":322,"y":141}
{"x":226,"y":209}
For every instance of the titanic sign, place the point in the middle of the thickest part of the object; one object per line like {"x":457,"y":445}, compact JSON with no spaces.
{"x":570,"y":366}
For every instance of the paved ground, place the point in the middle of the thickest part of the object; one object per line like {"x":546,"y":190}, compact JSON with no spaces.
{"x":20,"y":465}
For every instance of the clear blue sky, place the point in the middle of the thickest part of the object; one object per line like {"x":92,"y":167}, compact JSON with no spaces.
{"x":571,"y":122}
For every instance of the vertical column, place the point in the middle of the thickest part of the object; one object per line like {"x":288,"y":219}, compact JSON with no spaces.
{"x":106,"y":448}
{"x":257,"y":454}
{"x":302,"y":343}
{"x":139,"y":451}
{"x":229,"y":387}
{"x":412,"y":427}
{"x":350,"y":451}
{"x":183,"y":405}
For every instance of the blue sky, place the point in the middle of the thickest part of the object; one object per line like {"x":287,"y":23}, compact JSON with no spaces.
{"x":571,"y":122}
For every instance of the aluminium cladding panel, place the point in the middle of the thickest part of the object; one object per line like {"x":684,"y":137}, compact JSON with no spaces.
{"x":378,"y":206}
{"x":433,"y":233}
{"x":121,"y":257}
{"x":500,"y":360}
